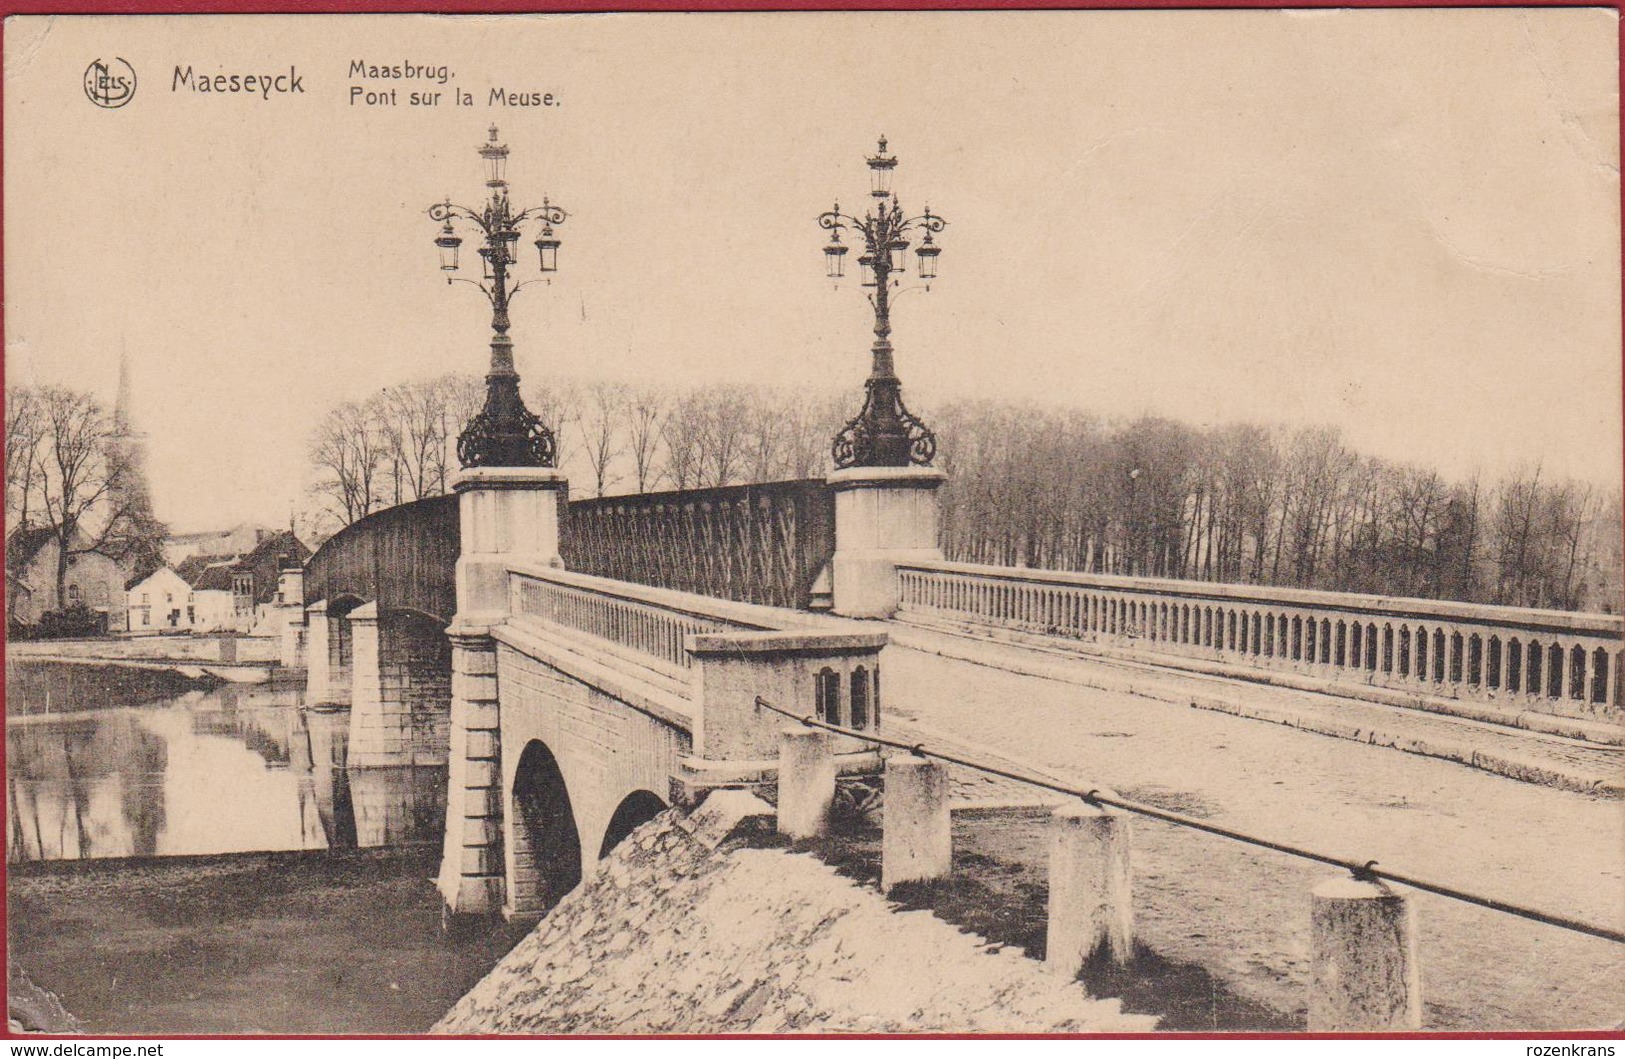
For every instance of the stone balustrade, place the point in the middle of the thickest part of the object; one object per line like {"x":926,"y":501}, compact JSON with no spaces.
{"x":1551,"y":661}
{"x":717,"y":655}
{"x":649,"y":623}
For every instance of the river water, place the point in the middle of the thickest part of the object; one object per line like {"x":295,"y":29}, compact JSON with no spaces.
{"x":110,"y":762}
{"x":106,"y":763}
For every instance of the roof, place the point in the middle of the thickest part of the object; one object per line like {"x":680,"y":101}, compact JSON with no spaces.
{"x":272,"y":548}
{"x":142,"y":572}
{"x":215,"y":577}
{"x":192,"y":567}
{"x":266,"y":560}
{"x":24,"y":543}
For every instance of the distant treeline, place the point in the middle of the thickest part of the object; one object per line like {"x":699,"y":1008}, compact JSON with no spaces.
{"x":1047,"y":488}
{"x":1247,"y":504}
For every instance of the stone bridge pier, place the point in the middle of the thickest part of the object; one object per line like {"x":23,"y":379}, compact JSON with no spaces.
{"x":400,"y":698}
{"x":502,"y":512}
{"x":329,"y":651}
{"x":390,"y":668}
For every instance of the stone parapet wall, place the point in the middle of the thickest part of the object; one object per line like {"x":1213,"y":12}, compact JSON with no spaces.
{"x":1556,"y":662}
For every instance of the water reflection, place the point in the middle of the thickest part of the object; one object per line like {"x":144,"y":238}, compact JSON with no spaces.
{"x":233,"y":769}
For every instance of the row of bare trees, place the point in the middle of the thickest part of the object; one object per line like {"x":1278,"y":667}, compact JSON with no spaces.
{"x":73,"y":467}
{"x":399,"y":445}
{"x":394,"y":447}
{"x":1246,"y":504}
{"x":1047,"y":488}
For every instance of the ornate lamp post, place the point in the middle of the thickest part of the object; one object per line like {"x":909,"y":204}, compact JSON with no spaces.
{"x":884,"y":433}
{"x":505,"y":433}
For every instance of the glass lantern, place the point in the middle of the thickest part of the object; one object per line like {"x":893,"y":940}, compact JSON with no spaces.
{"x":508,"y":239}
{"x":866,"y":265}
{"x":880,"y":171}
{"x":898,"y":255}
{"x":927,"y":253}
{"x":835,"y":257}
{"x":547,"y":246}
{"x":496,"y":160}
{"x":448,"y":242}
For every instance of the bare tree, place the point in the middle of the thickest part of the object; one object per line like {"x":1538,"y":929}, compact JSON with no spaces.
{"x":558,"y":404}
{"x":80,"y":474}
{"x":724,"y":425}
{"x":810,"y":423}
{"x":765,"y":425}
{"x":25,"y":434}
{"x":1517,"y":507}
{"x":602,"y":421}
{"x":645,"y":417}
{"x":681,"y":431}
{"x":459,"y":398}
{"x":348,"y":453}
{"x":412,"y":424}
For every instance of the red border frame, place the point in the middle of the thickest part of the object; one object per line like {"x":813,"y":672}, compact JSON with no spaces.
{"x":380,"y":7}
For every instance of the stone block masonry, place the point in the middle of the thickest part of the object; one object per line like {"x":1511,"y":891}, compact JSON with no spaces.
{"x":401,"y":690}
{"x":471,"y":867}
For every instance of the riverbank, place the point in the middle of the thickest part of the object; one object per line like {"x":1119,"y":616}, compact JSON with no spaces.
{"x":300,"y":942}
{"x":252,"y":649}
{"x":235,"y":660}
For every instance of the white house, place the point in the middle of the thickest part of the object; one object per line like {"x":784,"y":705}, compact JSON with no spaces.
{"x":213,"y":595}
{"x":160,"y":602}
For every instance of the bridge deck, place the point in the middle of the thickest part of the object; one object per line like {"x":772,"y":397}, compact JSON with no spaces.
{"x":1244,"y":914}
{"x":1553,"y":760}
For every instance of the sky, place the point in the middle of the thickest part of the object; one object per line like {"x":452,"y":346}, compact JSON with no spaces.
{"x":1403,"y":223}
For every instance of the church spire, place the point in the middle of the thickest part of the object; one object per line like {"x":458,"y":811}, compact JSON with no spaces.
{"x":139,"y":534}
{"x":121,"y":402}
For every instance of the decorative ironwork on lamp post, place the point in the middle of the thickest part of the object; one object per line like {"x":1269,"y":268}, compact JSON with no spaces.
{"x":885,"y":433}
{"x":504,"y":433}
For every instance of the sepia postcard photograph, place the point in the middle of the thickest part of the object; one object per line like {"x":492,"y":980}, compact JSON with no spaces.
{"x":1074,"y":522}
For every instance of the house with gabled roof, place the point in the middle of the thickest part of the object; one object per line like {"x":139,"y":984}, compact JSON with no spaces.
{"x":94,"y":580}
{"x":255,"y":577}
{"x":238,"y":592}
{"x":160,"y":601}
{"x":213,"y":606}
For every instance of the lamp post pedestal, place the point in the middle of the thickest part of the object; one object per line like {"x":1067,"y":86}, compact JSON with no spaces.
{"x":504,"y":513}
{"x":883,"y":516}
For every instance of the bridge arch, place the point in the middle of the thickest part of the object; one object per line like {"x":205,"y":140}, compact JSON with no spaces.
{"x":545,"y":856}
{"x":635,"y":810}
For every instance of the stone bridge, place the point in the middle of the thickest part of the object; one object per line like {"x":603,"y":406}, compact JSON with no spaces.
{"x":569,"y":707}
{"x":374,"y":636}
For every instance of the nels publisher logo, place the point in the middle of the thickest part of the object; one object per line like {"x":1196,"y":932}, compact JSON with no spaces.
{"x":111,"y":84}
